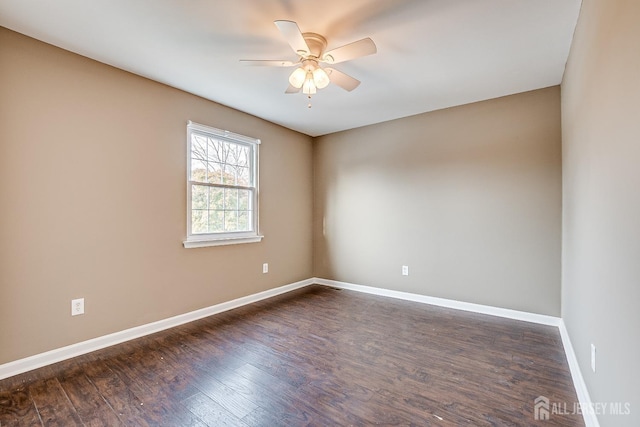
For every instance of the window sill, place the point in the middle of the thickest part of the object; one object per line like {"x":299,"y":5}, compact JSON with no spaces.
{"x":190,"y":244}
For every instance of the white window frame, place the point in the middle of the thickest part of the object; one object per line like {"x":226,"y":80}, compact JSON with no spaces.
{"x":224,"y":238}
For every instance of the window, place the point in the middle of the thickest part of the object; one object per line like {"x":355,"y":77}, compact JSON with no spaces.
{"x":222,"y":187}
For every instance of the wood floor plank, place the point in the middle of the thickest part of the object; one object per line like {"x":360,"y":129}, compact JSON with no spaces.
{"x":17,"y":408}
{"x":209,"y":411}
{"x":272,"y":393}
{"x":52,"y":403}
{"x":121,"y":398}
{"x":233,"y":401}
{"x":142,"y":371}
{"x":89,"y":404}
{"x":315,"y":356}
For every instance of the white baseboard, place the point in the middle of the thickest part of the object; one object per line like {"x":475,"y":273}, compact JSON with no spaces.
{"x":442,"y":302}
{"x":39,"y":360}
{"x":590,"y":419}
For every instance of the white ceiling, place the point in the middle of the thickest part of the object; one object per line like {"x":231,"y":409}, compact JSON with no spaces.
{"x":432,"y":54}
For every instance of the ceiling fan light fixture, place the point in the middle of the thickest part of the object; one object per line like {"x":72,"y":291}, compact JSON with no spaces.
{"x":309,"y":86}
{"x":298,"y":77}
{"x":320,"y":78}
{"x":308,"y":75}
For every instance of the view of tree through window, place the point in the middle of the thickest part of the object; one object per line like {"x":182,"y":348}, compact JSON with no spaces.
{"x":222,"y":185}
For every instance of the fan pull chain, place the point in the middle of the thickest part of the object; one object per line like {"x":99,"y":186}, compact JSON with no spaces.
{"x":309,"y":105}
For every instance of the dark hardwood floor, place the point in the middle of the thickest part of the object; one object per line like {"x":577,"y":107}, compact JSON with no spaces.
{"x":317,"y":356}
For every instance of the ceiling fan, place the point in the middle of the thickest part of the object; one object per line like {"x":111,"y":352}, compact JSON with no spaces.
{"x":310,"y":48}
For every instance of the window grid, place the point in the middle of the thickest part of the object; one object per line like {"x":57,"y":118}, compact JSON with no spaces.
{"x":222,"y":184}
{"x":238,"y":206}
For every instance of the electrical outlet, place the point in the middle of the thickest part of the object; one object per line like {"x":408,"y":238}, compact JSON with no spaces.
{"x":593,"y":357}
{"x":405,"y":270}
{"x":77,"y":306}
{"x":265,"y":267}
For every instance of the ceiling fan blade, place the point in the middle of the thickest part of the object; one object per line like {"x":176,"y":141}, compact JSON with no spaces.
{"x":293,"y":89}
{"x":268,"y":62}
{"x":350,"y":51}
{"x":293,"y":35}
{"x":341,"y":79}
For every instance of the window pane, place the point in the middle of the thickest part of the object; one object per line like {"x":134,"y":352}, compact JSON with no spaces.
{"x":216,"y":198}
{"x":238,"y":157}
{"x":198,"y":221}
{"x":198,"y":147}
{"x":199,"y":197}
{"x":243,"y":200}
{"x":214,"y":150}
{"x":198,"y":170}
{"x":216,"y":221}
{"x":231,"y":221}
{"x":243,"y":177}
{"x":215,"y":173}
{"x":243,"y":221}
{"x":230,"y":199}
{"x":231,"y":153}
{"x":245,"y":157}
{"x":229,"y":175}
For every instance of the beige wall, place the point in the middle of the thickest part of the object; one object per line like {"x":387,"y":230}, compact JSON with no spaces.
{"x":468,"y":197}
{"x":93,"y":195}
{"x":601,"y":199}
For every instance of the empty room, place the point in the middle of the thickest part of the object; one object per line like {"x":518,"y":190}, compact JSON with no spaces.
{"x":319,"y":213}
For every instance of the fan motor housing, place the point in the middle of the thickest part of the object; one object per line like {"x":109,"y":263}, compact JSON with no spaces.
{"x":316,"y":43}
